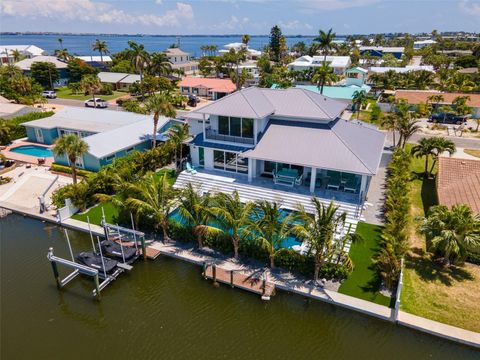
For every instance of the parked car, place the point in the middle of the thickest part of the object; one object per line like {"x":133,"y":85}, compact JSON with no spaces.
{"x":448,"y":118}
{"x":99,"y":103}
{"x":49,"y":94}
{"x":192,"y":100}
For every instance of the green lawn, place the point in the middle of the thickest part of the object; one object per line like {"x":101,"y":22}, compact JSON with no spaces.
{"x":363,"y":282}
{"x":65,"y":93}
{"x":111,"y":211}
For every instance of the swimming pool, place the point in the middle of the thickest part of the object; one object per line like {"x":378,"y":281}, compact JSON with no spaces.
{"x":33,"y":150}
{"x":288,"y":242}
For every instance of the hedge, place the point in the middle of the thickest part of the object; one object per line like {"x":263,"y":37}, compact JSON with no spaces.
{"x":18,"y":131}
{"x":68,"y":170}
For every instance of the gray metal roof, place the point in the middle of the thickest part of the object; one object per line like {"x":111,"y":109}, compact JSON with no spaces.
{"x":257,"y":103}
{"x":111,"y":77}
{"x":84,"y":119}
{"x":343,"y":146}
{"x":110,"y":142}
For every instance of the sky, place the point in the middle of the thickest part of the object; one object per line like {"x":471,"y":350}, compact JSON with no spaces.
{"x":255,"y":17}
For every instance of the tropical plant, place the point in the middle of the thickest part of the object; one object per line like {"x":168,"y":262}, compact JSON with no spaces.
{"x":276,"y":43}
{"x":323,"y":75}
{"x":407,"y":124}
{"x":424,"y":148}
{"x":453,"y":232}
{"x":460,"y":105}
{"x":63,"y":54}
{"x":326,"y":42}
{"x":178,"y":133}
{"x":233,"y":217}
{"x":359,"y":99}
{"x":152,"y":197}
{"x":194,"y":212}
{"x":159,"y":104}
{"x":45,"y":73}
{"x":101,"y":47}
{"x":440,"y":146}
{"x":318,"y":230}
{"x":72,"y":147}
{"x":91,"y":84}
{"x":269,"y":227}
{"x":138,"y":57}
{"x":159,"y":64}
{"x":16,"y":55}
{"x":389,"y":122}
{"x":245,"y":39}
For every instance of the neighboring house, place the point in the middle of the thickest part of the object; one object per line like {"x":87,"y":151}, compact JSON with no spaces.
{"x":379,"y":51}
{"x":119,"y":81}
{"x":339,"y":63}
{"x":251,"y":67}
{"x":400,"y":70}
{"x":456,"y":52}
{"x":61,"y":66}
{"x":458,"y":182}
{"x":292,"y":137}
{"x":211,"y":88}
{"x":96,"y":61}
{"x":28,"y":51}
{"x":422,"y":43}
{"x":109,"y":134}
{"x":9,"y":110}
{"x":415,"y":97}
{"x":252,"y":54}
{"x":181,"y":60}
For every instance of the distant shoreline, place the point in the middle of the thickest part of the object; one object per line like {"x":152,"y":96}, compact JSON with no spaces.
{"x":150,"y":35}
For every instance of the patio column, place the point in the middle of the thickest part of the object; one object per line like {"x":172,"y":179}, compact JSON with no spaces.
{"x":204,"y":134}
{"x":250,"y":169}
{"x":313,"y":178}
{"x":363,"y":185}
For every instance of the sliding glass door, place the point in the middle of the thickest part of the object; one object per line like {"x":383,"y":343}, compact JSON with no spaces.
{"x":229,"y":161}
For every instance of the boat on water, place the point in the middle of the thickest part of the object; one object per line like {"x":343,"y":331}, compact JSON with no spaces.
{"x":94,"y":261}
{"x":113,"y":250}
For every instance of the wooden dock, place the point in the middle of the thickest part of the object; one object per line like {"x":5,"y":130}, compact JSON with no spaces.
{"x":255,"y":282}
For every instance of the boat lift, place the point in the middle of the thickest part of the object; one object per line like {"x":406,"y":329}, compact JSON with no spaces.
{"x":81,"y":269}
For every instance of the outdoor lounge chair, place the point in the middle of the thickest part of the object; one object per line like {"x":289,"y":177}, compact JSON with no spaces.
{"x":334,"y":180}
{"x":351,"y":185}
{"x":191,"y":169}
{"x":298,"y":180}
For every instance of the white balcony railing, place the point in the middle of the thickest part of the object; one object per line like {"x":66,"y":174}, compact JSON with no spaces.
{"x":214,"y":135}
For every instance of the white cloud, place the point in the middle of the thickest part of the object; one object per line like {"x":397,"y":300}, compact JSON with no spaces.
{"x":335,"y":4}
{"x":90,"y":11}
{"x":158,"y":2}
{"x":470,"y":7}
{"x":233,"y":23}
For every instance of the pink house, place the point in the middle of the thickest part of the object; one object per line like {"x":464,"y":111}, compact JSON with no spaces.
{"x":206,"y":87}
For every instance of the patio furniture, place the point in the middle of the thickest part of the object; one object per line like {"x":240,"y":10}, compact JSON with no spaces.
{"x":298,"y":180}
{"x":191,"y":169}
{"x":283,"y":178}
{"x":334,"y":180}
{"x":351,"y":185}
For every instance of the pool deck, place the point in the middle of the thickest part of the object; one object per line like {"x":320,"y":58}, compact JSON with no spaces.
{"x":26,"y":158}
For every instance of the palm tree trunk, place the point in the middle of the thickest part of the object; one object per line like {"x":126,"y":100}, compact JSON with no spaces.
{"x":433,"y":166}
{"x":165,"y":234}
{"x":181,"y":156}
{"x":199,"y":240}
{"x":235,"y":246}
{"x":101,"y":56}
{"x":316,"y":270}
{"x":321,"y":88}
{"x":74,"y":170}
{"x":155,"y":125}
{"x":426,"y":166}
{"x":394,"y":142}
{"x":272,"y":261}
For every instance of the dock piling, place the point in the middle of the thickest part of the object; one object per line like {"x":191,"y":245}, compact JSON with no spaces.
{"x":56,"y":275}
{"x":214,"y":275}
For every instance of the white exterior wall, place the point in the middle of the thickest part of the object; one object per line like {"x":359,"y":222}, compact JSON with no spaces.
{"x":208,"y":154}
{"x":195,"y":127}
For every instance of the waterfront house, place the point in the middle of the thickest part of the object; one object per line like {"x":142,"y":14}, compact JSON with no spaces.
{"x":420,"y":44}
{"x":119,"y":81}
{"x":26,"y":64}
{"x":339,"y":63}
{"x":400,"y":70}
{"x":379,"y":51}
{"x":96,"y":61}
{"x":27,"y":51}
{"x":109,"y":134}
{"x":181,"y":60}
{"x":292,"y":138}
{"x":458,"y":182}
{"x":252,"y":54}
{"x":211,"y":88}
{"x":415,"y":97}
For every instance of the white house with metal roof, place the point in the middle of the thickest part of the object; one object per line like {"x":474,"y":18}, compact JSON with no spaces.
{"x":119,"y":81}
{"x":292,"y":138}
{"x":339,"y":63}
{"x":109,"y":134}
{"x":28,"y":51}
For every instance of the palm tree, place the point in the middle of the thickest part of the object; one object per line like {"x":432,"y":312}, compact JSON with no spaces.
{"x":453,"y":232}
{"x":389,"y":122}
{"x":269,"y":228}
{"x":62,"y":54}
{"x":5,"y":129}
{"x":407,"y":124}
{"x":318,"y":230}
{"x":233,"y":216}
{"x":138,"y":56}
{"x":325,"y":42}
{"x":194,"y":211}
{"x":159,"y":64}
{"x":153,"y":197}
{"x":245,"y":40}
{"x":437,"y":99}
{"x":159,"y":104}
{"x":359,"y":99}
{"x":101,"y":47}
{"x":425,"y":148}
{"x":323,"y":75}
{"x":60,"y":41}
{"x":73,"y":148}
{"x":17,"y":55}
{"x":92,"y":85}
{"x":440,"y":146}
{"x":178,"y":133}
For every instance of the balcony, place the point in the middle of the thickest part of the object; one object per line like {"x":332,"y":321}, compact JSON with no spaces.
{"x":214,"y":135}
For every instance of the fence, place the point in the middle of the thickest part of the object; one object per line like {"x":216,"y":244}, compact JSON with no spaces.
{"x":399,"y":292}
{"x":67,"y":211}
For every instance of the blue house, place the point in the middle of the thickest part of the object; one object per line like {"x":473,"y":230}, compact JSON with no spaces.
{"x":109,"y":134}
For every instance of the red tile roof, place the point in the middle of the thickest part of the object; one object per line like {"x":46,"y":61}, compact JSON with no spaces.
{"x":419,"y":96}
{"x":458,"y":182}
{"x":217,"y":85}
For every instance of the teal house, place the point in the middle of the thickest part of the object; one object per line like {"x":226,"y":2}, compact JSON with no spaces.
{"x":109,"y":134}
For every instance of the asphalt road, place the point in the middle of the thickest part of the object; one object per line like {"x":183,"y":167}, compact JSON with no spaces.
{"x":460,"y":142}
{"x":79,"y":103}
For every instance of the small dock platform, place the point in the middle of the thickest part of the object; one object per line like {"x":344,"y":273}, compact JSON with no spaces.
{"x":255,"y":282}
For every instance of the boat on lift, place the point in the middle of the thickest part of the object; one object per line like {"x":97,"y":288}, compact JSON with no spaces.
{"x":95,"y":261}
{"x":116,"y":251}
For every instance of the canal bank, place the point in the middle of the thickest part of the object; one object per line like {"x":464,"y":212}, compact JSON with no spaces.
{"x":163,"y":309}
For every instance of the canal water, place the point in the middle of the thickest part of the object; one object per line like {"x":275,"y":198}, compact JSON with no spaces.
{"x":164,"y":309}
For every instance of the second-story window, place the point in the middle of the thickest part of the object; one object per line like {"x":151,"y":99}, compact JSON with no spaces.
{"x":234,"y":126}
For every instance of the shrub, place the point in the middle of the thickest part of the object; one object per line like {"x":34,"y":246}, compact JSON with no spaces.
{"x":107,"y":89}
{"x":68,"y":170}
{"x":294,"y":261}
{"x":18,"y":131}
